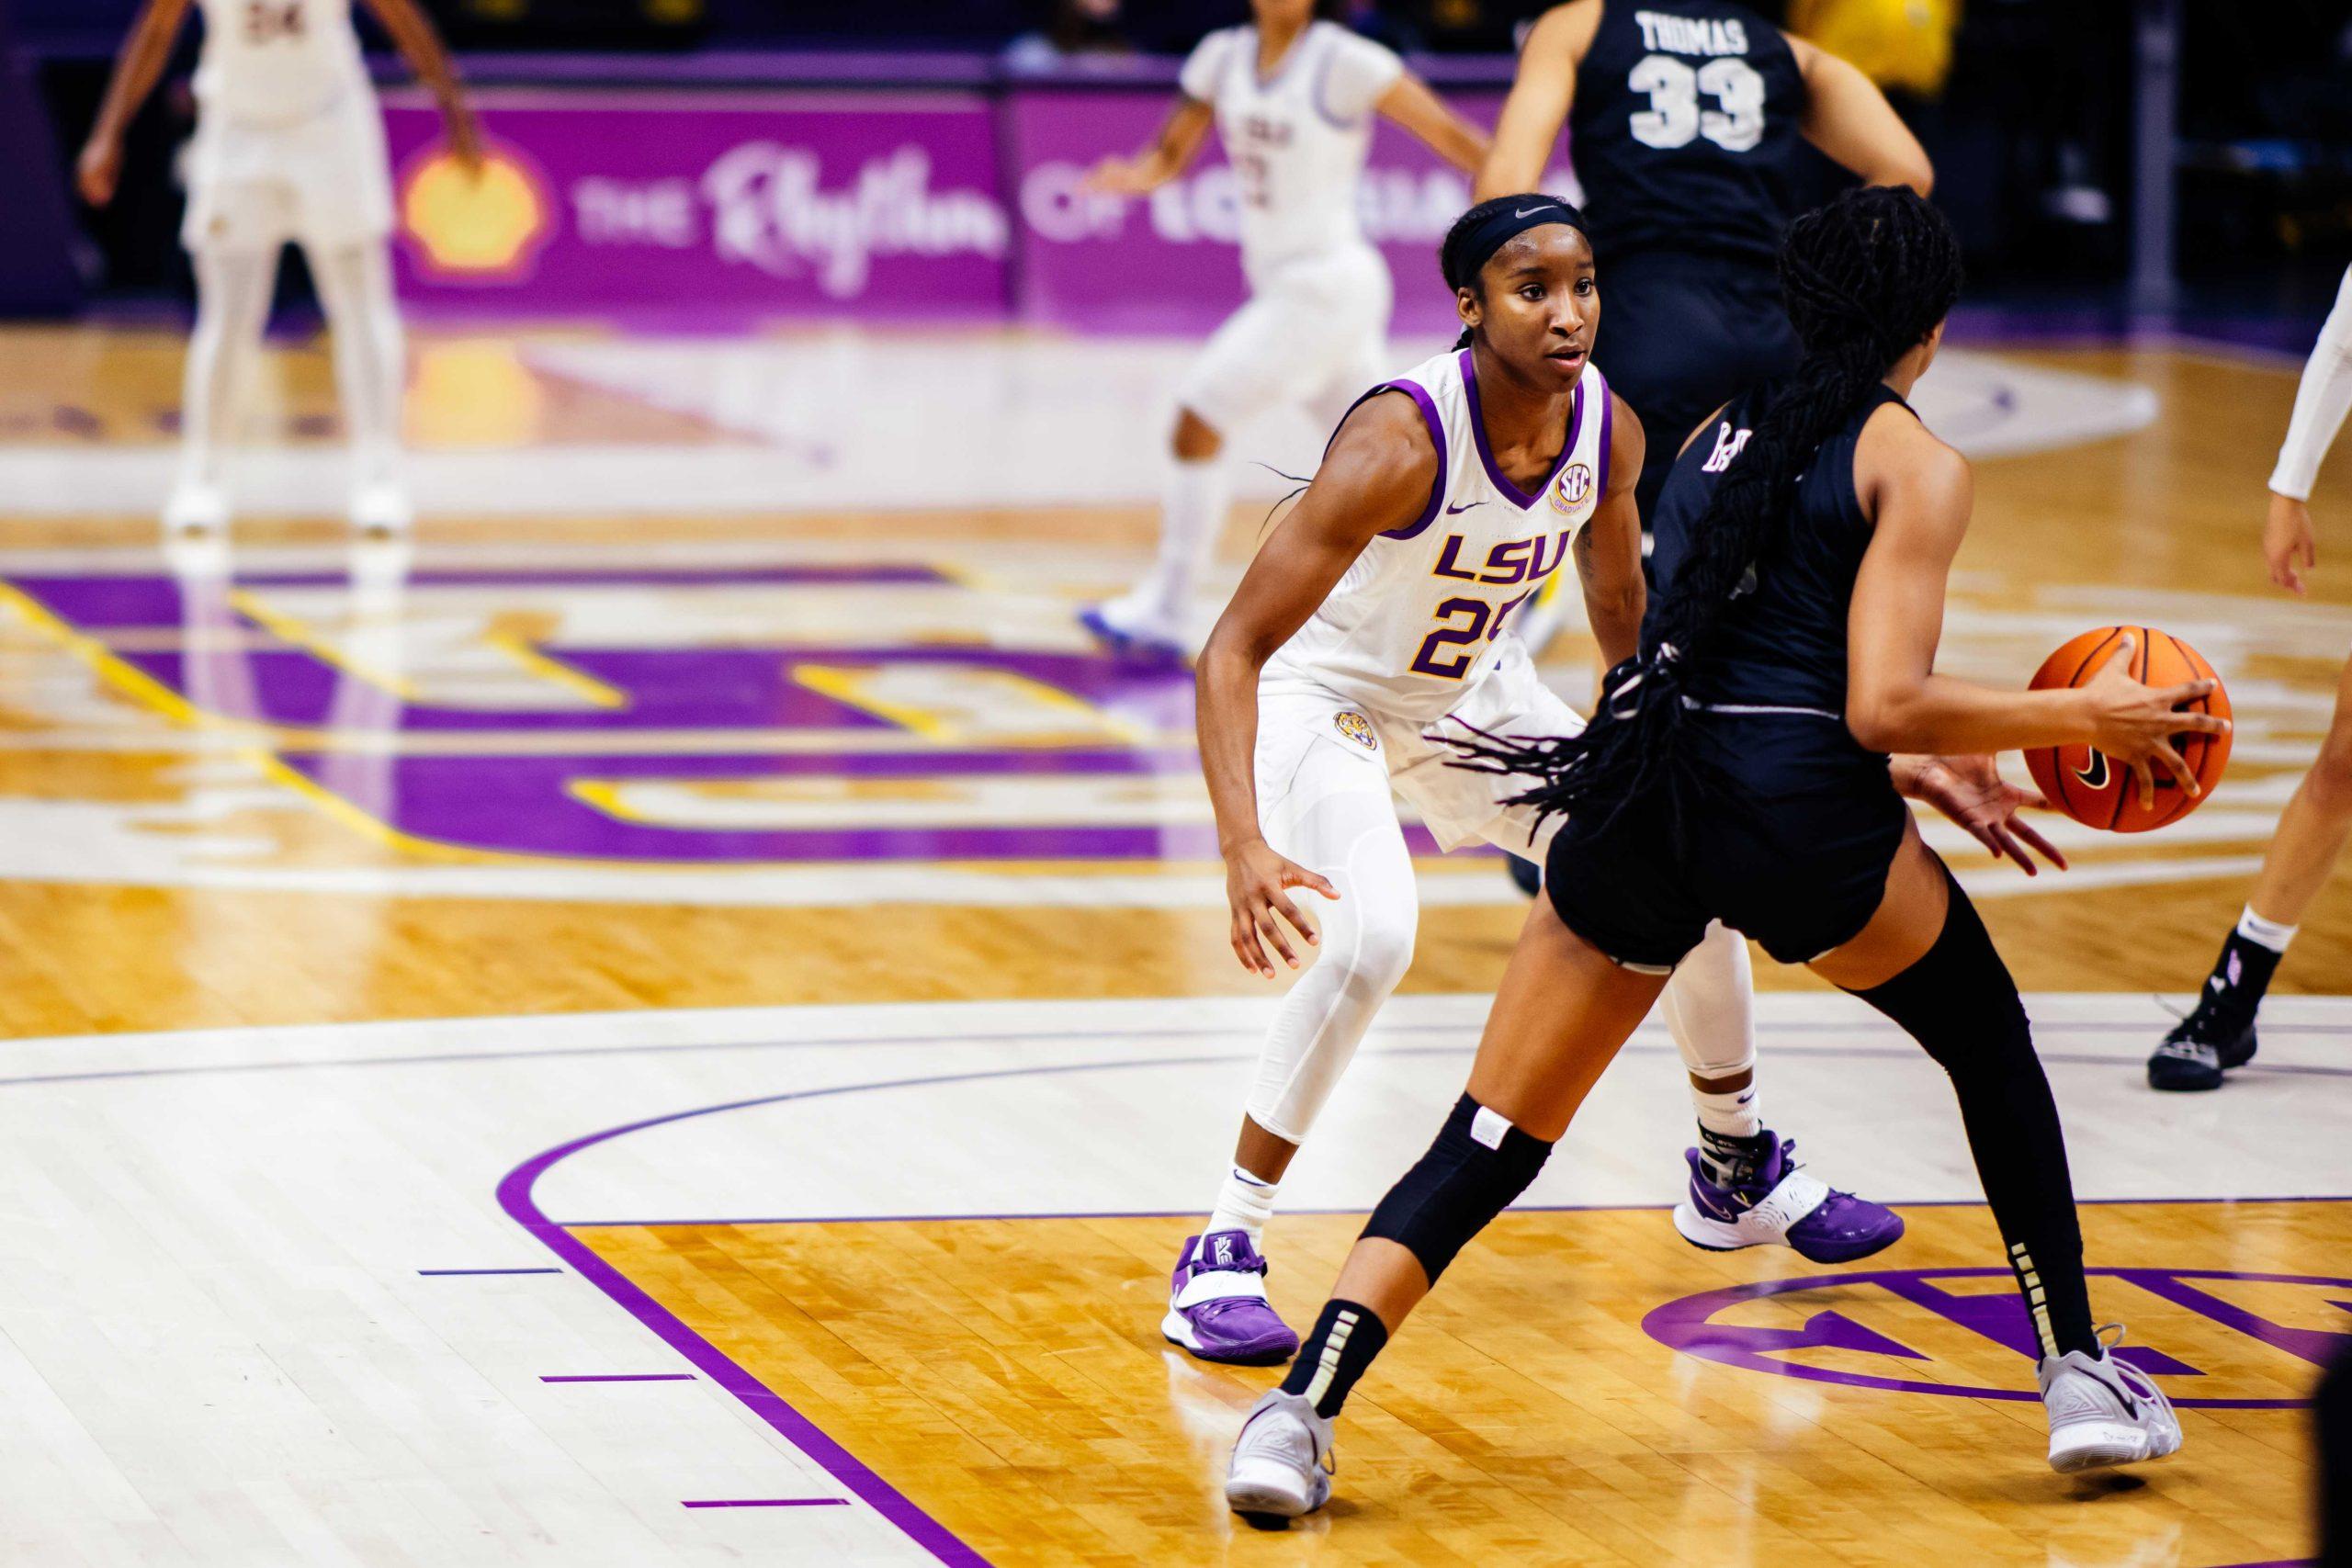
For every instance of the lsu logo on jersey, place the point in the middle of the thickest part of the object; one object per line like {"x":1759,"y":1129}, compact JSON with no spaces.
{"x":1572,"y":493}
{"x":1355,"y":726}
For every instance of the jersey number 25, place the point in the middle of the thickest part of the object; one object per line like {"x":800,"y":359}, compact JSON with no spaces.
{"x":1674,"y":115}
{"x":1463,"y":624}
{"x":268,"y":19}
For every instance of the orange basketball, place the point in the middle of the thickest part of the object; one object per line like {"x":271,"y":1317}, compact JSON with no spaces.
{"x":2081,"y":782}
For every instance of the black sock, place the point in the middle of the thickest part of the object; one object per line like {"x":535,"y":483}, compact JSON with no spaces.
{"x":1959,"y":1002}
{"x":1729,"y":1161}
{"x":1346,"y":1338}
{"x":2235,"y":989}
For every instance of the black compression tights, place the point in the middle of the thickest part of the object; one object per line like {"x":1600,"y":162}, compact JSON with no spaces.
{"x":1959,"y":1002}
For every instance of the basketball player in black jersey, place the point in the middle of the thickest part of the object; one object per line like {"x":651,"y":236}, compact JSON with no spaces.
{"x":1738,"y":769}
{"x":1684,"y":123}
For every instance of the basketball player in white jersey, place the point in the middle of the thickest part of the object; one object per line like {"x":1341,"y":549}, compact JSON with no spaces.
{"x":1292,"y":97}
{"x":288,"y":146}
{"x":1364,"y":631}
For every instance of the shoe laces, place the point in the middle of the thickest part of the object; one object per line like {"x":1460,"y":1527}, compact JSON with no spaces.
{"x":2110,"y":1336}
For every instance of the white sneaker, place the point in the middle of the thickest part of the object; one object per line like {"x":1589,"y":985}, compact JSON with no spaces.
{"x":1282,"y":1461}
{"x":381,"y":509}
{"x":2104,"y":1411}
{"x":196,"y":508}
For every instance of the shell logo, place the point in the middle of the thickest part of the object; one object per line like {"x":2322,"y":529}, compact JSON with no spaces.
{"x":482,"y":227}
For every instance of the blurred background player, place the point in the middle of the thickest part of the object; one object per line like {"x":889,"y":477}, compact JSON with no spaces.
{"x":1686,"y":124}
{"x":2218,"y":1034}
{"x":1292,"y":94}
{"x":288,"y":146}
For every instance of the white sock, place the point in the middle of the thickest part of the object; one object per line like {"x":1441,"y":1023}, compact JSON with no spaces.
{"x":1192,"y":515}
{"x":1243,"y":1203}
{"x":354,"y":284}
{"x":232,"y":296}
{"x":2265,"y":933}
{"x":1733,"y":1115}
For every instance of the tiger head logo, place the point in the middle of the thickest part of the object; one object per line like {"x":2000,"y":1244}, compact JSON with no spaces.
{"x":1355,"y":727}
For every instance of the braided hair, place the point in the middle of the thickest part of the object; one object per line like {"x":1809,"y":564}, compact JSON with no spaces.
{"x":1865,"y":278}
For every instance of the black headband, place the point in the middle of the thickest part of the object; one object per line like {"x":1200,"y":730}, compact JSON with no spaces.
{"x":1490,"y":234}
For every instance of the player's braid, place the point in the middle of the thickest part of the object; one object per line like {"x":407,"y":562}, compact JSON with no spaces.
{"x":1864,"y":278}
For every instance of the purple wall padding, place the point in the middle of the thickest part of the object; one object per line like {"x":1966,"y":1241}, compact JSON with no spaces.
{"x":37,"y":273}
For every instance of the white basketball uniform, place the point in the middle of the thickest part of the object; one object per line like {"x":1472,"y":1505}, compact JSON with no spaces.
{"x":1316,"y":328}
{"x":1411,"y":642}
{"x":1415,"y":641}
{"x":290,"y":141}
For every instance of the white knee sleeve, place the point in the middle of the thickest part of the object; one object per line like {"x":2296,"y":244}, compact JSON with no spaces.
{"x":354,"y":284}
{"x":1710,"y":1005}
{"x":1339,"y":820}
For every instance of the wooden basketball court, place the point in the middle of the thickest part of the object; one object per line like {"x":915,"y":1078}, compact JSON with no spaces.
{"x":675,"y":1020}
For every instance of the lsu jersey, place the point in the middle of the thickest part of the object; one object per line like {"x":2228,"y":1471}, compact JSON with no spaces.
{"x":276,"y":62}
{"x":1296,"y":140}
{"x":1423,"y":614}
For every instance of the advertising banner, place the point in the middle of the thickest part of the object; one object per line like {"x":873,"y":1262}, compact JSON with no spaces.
{"x":735,"y":204}
{"x":1169,"y":261}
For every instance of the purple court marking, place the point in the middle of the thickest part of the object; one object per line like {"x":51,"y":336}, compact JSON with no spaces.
{"x":1688,"y":1326}
{"x":766,"y":1502}
{"x":433,"y":1273}
{"x":619,"y":1377}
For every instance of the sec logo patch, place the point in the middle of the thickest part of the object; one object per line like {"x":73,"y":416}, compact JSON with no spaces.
{"x":1574,"y":488}
{"x":1355,"y":727}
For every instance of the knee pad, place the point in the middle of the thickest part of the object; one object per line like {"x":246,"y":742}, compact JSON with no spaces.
{"x":1478,"y":1167}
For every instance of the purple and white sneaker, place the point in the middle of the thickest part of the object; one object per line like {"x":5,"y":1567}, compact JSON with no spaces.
{"x":1783,"y":1206}
{"x":1217,"y":1308}
{"x":1132,"y":630}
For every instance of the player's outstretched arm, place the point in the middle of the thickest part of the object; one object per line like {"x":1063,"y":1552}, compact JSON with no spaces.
{"x":1541,"y":95}
{"x":1181,"y":135}
{"x":2321,"y":398}
{"x":1609,"y":547}
{"x":1376,"y":478}
{"x":145,"y":51}
{"x":1411,"y":104}
{"x":1849,"y":119}
{"x":414,"y":36}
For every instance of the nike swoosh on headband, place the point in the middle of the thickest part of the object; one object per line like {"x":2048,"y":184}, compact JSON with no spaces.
{"x":1538,"y":208}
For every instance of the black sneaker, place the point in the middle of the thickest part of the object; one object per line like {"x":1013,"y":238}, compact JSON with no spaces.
{"x":2219,"y":1034}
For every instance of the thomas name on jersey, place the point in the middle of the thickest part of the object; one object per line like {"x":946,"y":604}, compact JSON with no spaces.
{"x":1693,"y":35}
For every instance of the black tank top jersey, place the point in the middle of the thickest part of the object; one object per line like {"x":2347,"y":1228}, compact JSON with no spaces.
{"x":1684,"y":130}
{"x":1780,"y":645}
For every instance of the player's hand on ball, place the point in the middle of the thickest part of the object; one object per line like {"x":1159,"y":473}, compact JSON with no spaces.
{"x":99,"y":170}
{"x":2287,"y":542}
{"x":1255,"y":880}
{"x":2134,"y":724}
{"x":1972,"y":792}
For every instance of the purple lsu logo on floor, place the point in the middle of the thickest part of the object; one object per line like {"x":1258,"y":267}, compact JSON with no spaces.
{"x":2246,"y":1337}
{"x":665,"y":716}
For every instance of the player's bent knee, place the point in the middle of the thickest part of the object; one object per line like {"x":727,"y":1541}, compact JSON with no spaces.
{"x":1382,"y":952}
{"x":1478,"y":1167}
